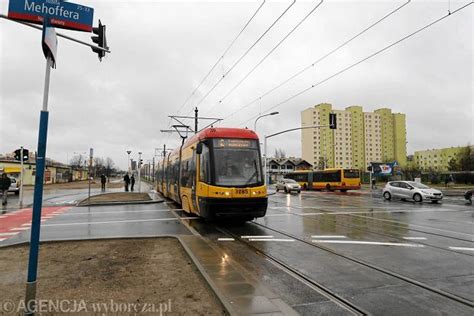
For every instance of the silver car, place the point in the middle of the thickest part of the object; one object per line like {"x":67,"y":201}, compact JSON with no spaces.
{"x":288,"y":185}
{"x":411,"y":190}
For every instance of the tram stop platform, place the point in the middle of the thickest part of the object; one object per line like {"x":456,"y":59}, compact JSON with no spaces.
{"x":240,"y":293}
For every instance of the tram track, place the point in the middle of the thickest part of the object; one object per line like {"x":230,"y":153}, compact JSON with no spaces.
{"x":391,"y":223}
{"x":406,"y":279}
{"x":313,"y":284}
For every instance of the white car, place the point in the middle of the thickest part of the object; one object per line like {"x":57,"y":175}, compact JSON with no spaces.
{"x":411,"y":190}
{"x":14,"y":186}
{"x":288,"y":185}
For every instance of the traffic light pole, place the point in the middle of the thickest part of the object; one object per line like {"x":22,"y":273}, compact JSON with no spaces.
{"x":30,"y":296}
{"x":21,"y":178}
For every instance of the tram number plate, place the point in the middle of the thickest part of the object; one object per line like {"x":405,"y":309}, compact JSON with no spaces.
{"x":242,"y":191}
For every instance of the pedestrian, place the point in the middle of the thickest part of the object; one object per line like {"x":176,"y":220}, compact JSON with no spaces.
{"x":103,"y":181}
{"x":5,"y":183}
{"x":374,"y":186}
{"x":126,"y":179}
{"x":446,"y":181}
{"x":132,"y":181}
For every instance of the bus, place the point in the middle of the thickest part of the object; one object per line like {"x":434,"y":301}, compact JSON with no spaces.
{"x":328,"y":179}
{"x":216,"y":174}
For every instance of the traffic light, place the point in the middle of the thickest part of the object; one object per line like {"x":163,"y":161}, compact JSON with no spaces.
{"x":100,"y":40}
{"x":369,"y":168}
{"x":332,"y":121}
{"x":18,"y":154}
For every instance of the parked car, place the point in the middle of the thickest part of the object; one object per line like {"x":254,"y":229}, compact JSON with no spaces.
{"x":468,"y":195}
{"x":411,"y":190}
{"x":288,"y":185}
{"x":14,"y":186}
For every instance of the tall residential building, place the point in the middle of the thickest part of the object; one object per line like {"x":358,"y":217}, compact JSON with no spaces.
{"x":360,"y":137}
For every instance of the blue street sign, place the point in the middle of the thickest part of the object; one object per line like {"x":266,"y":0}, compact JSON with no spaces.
{"x":62,"y":14}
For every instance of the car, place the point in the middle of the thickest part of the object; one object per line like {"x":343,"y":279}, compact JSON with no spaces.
{"x":14,"y":186}
{"x":468,"y":195}
{"x":288,"y":185}
{"x":411,"y":190}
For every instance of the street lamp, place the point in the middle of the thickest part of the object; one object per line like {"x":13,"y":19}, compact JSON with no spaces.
{"x":139,"y":170}
{"x":128,"y":160}
{"x":255,"y":123}
{"x":279,"y":133}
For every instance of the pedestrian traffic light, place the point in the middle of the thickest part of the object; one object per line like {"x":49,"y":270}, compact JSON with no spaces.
{"x":18,"y":154}
{"x":332,"y":121}
{"x":369,"y":168}
{"x":100,"y":40}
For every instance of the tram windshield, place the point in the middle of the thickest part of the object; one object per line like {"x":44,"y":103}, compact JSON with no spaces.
{"x":237,"y":163}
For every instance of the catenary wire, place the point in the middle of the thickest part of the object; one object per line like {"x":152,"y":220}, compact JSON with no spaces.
{"x":221,"y":57}
{"x":266,"y":56}
{"x":314,"y":63}
{"x":361,"y":61}
{"x":245,"y":54}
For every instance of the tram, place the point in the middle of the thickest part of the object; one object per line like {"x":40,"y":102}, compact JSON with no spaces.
{"x":216,"y":174}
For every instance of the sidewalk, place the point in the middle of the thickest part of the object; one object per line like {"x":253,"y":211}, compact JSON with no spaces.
{"x":237,"y":290}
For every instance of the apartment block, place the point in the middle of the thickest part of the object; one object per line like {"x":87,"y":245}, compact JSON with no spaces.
{"x":437,"y":159}
{"x":360,"y":138}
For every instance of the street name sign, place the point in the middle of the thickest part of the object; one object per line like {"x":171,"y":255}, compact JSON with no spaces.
{"x":62,"y":14}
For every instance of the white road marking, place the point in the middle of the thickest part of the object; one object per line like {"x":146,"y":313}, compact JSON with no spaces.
{"x":114,"y":222}
{"x":20,"y":228}
{"x":26,"y":224}
{"x":248,"y":237}
{"x":9,"y":234}
{"x":272,"y":215}
{"x":328,"y":236}
{"x":462,"y":248}
{"x":225,"y":239}
{"x":114,"y":212}
{"x":270,"y":239}
{"x":414,"y":238}
{"x":2,"y":239}
{"x":3,"y":216}
{"x":46,"y":217}
{"x":355,"y":242}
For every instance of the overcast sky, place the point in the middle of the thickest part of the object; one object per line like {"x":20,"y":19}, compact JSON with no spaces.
{"x":162,"y":50}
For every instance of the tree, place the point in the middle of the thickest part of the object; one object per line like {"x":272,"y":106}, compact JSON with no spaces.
{"x":77,"y":161}
{"x":109,"y":166}
{"x":280,"y":153}
{"x":466,"y":161}
{"x":453,"y":165}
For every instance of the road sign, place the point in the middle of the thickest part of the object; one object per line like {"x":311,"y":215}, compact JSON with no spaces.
{"x":50,"y":43}
{"x":66,"y":15}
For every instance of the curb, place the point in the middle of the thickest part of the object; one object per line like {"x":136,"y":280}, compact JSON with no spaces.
{"x":191,"y":256}
{"x":118,"y":203}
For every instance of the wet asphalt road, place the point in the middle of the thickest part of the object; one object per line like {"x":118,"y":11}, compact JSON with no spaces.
{"x":385,"y":257}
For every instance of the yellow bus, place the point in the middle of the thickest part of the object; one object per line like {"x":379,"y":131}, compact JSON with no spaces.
{"x":328,"y":179}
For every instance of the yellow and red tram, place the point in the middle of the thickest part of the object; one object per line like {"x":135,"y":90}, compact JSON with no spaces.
{"x":216,"y":174}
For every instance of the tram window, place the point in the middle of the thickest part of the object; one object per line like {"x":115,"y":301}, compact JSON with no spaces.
{"x":204,"y":164}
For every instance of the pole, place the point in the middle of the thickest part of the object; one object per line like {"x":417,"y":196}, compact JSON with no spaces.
{"x":265,"y":159}
{"x":90,"y":173}
{"x":153,"y":175}
{"x":139,"y":171}
{"x":196,"y":120}
{"x":30,"y":295}
{"x":164,"y":150}
{"x":21,"y":178}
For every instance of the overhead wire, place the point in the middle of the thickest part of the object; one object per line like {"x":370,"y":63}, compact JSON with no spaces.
{"x":221,"y":57}
{"x":267,"y":55}
{"x":314,"y":63}
{"x":245,"y":54}
{"x":362,"y":60}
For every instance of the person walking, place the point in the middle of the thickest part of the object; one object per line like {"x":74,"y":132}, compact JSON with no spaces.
{"x":126,"y":179}
{"x":374,"y":186}
{"x":5,"y":183}
{"x":103,"y":181}
{"x":132,"y":181}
